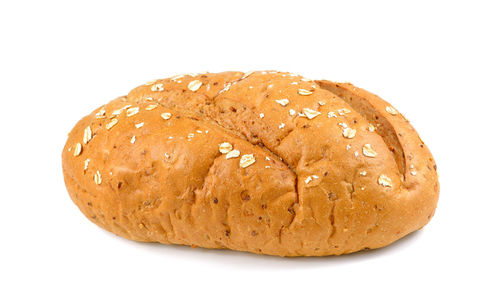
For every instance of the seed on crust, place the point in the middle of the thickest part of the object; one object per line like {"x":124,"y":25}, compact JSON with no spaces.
{"x":139,"y":125}
{"x":282,"y":125}
{"x":225,"y":147}
{"x":176,"y":77}
{"x":87,"y":135}
{"x":157,"y":87}
{"x":78,"y":149}
{"x":226,"y":88}
{"x":283,"y":102}
{"x":322,"y":103}
{"x":343,"y":111}
{"x":391,"y":110}
{"x":151,"y":107}
{"x":413,"y":172}
{"x":349,"y":133}
{"x":86,"y":164}
{"x":116,"y":112}
{"x":97,"y":178}
{"x":304,"y":92}
{"x":166,"y":115}
{"x":150,"y":82}
{"x":132,"y":140}
{"x":292,"y":112}
{"x":384,"y":180}
{"x":261,"y":115}
{"x":371,"y":128}
{"x":363,"y":173}
{"x":111,"y":123}
{"x":132,"y":111}
{"x":194,"y":85}
{"x":100,"y":114}
{"x":310,"y":113}
{"x":233,"y":154}
{"x":368,"y":151}
{"x":247,"y":160}
{"x":332,"y":114}
{"x":247,"y":74}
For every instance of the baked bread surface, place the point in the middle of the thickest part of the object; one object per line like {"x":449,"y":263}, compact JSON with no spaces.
{"x":266,"y":162}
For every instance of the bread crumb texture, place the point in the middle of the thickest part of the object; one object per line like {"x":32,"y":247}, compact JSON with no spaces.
{"x":330,"y":169}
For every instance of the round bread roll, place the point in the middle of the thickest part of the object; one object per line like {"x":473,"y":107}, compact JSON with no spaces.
{"x":265,"y":162}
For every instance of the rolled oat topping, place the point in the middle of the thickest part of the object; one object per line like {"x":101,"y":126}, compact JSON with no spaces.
{"x":310,"y":113}
{"x":132,"y":111}
{"x":157,"y":87}
{"x":194,"y":85}
{"x":78,"y":149}
{"x":343,"y":111}
{"x":247,"y":160}
{"x":332,"y":114}
{"x":385,"y":181}
{"x":111,"y":123}
{"x":86,"y":164}
{"x":369,"y":151}
{"x":225,"y":147}
{"x":247,"y":74}
{"x":233,"y":154}
{"x":304,"y":92}
{"x":349,"y":133}
{"x":391,"y":110}
{"x":87,"y":135}
{"x":97,"y":178}
{"x":100,"y":114}
{"x":282,"y":102}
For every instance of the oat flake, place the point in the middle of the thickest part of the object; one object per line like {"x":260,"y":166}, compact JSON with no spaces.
{"x":369,"y":151}
{"x":304,"y":92}
{"x":385,"y":181}
{"x":247,"y":160}
{"x":310,"y":113}
{"x":233,"y":154}
{"x":349,"y":133}
{"x":194,"y":85}
{"x":225,"y":147}
{"x":78,"y":149}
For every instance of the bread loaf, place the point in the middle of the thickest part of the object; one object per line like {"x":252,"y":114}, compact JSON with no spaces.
{"x":266,"y":162}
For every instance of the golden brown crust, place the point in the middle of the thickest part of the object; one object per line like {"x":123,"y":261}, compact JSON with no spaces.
{"x":312,"y":176}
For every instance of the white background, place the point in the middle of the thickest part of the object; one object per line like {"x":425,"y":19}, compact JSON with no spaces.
{"x":436,"y":61}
